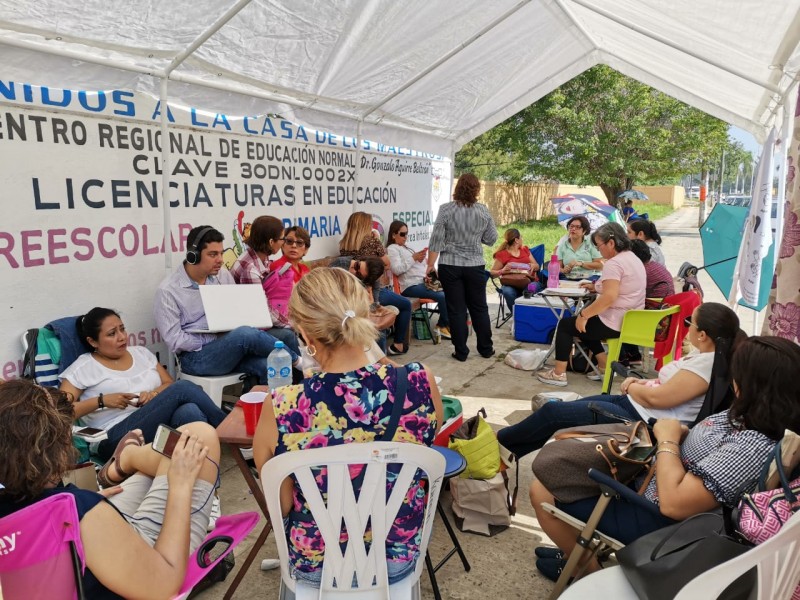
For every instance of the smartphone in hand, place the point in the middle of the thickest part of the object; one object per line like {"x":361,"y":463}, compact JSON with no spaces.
{"x":165,"y":440}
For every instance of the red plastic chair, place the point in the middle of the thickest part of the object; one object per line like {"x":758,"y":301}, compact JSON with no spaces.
{"x":41,"y":554}
{"x":673,"y":345}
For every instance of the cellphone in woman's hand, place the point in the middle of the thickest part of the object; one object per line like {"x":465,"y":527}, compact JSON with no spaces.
{"x":165,"y":440}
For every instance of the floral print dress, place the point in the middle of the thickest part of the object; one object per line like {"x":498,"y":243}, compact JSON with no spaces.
{"x":330,"y":409}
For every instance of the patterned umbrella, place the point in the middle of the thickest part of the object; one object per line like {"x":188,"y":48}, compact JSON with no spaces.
{"x":633,"y":195}
{"x":595,"y":210}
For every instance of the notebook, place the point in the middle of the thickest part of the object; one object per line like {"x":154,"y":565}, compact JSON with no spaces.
{"x":230,"y":306}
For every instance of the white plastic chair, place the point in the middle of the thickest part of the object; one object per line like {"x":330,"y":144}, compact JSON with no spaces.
{"x":778,"y":562}
{"x":341,"y":508}
{"x":212,"y":385}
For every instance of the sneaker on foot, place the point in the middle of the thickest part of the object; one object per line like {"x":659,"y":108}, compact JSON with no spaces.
{"x":551,"y":567}
{"x":216,"y":513}
{"x":444,"y":332}
{"x":548,"y":552}
{"x":593,"y":376}
{"x":550,"y":377}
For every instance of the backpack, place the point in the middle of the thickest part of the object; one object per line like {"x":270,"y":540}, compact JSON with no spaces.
{"x":577,"y":362}
{"x":42,"y":355}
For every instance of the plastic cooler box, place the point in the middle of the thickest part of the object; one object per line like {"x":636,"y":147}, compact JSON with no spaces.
{"x":534,"y":321}
{"x":453,"y":418}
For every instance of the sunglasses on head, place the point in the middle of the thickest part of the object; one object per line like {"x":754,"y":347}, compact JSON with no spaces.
{"x":291,"y":242}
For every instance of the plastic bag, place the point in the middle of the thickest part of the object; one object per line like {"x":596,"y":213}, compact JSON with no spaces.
{"x":527,"y":360}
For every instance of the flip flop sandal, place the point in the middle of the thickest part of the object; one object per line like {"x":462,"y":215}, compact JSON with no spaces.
{"x":132,"y":437}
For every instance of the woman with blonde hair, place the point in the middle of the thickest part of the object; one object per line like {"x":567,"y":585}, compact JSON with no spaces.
{"x":357,"y":235}
{"x":349,"y":401}
{"x":359,"y":240}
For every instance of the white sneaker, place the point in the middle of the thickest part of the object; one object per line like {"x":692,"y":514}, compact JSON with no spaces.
{"x":247,"y":453}
{"x":216,"y":513}
{"x":593,"y":376}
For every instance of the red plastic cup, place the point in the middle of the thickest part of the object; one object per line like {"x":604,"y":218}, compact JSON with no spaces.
{"x":252,"y":403}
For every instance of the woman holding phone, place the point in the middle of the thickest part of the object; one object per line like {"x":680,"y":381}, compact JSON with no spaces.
{"x":137,"y":537}
{"x":409,"y":267}
{"x":119,"y":388}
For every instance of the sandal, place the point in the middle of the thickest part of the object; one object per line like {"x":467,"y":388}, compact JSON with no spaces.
{"x":131,"y":438}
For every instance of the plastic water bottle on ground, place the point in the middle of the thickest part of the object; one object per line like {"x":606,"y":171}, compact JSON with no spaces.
{"x":553,"y":272}
{"x":279,"y":366}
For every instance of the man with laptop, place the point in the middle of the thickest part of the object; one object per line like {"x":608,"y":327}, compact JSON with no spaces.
{"x":226,"y":339}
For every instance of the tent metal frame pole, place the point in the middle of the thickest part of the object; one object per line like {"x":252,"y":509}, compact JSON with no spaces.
{"x":571,"y":16}
{"x":358,"y":166}
{"x":205,"y":35}
{"x":785,"y":51}
{"x":81,"y":56}
{"x":437,"y":63}
{"x":663,"y":40}
{"x":177,"y":60}
{"x":166,"y":153}
{"x":194,"y":80}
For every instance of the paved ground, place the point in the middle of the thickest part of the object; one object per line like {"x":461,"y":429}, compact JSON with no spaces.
{"x":502,"y":566}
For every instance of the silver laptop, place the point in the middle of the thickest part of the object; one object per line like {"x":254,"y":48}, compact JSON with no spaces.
{"x":230,"y":306}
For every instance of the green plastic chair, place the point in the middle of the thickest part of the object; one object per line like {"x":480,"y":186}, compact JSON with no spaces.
{"x":639,"y":329}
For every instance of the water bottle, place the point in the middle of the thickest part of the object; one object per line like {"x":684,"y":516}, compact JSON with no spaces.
{"x":279,"y":366}
{"x":553,"y":271}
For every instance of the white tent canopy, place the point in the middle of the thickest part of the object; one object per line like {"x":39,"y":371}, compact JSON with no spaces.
{"x":423,"y":74}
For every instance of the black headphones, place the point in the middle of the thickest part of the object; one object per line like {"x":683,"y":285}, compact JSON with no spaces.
{"x":193,"y":253}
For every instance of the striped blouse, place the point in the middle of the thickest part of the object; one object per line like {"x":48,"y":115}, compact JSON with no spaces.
{"x":459,"y":232}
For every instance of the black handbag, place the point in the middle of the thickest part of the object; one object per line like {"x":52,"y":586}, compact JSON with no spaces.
{"x":658,"y":565}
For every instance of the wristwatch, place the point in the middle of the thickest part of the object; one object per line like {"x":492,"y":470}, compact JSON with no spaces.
{"x":100,"y":403}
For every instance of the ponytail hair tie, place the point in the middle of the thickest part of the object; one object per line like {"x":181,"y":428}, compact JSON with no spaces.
{"x":348,"y":314}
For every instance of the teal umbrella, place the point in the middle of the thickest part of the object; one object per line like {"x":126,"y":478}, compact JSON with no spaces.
{"x":721,"y":237}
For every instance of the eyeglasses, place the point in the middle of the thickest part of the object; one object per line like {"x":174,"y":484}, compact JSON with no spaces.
{"x":402,"y":233}
{"x":575,"y":226}
{"x":293,"y":242}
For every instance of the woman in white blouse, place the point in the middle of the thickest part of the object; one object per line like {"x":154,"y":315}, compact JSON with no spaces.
{"x":119,"y":388}
{"x":409,"y":267}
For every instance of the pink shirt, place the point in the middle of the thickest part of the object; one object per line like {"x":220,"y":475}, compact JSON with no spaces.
{"x":626,"y":268}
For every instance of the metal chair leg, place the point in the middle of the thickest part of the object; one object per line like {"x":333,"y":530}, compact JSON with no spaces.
{"x":502,"y":317}
{"x":583,"y":545}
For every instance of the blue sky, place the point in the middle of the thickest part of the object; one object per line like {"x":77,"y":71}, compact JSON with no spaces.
{"x":747,"y":140}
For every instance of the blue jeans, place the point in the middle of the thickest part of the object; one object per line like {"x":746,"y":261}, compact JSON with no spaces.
{"x":533,"y":431}
{"x":388,"y":298}
{"x":244,"y":349}
{"x":621,"y":520}
{"x":420,"y":291}
{"x":510,"y":294}
{"x":181,"y":403}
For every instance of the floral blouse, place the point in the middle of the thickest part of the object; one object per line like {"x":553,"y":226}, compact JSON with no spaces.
{"x":330,"y":409}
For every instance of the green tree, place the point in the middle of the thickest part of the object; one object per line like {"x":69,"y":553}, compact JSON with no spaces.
{"x":601,"y":128}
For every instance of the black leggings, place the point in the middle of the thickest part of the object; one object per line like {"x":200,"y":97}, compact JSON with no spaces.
{"x":596,"y":331}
